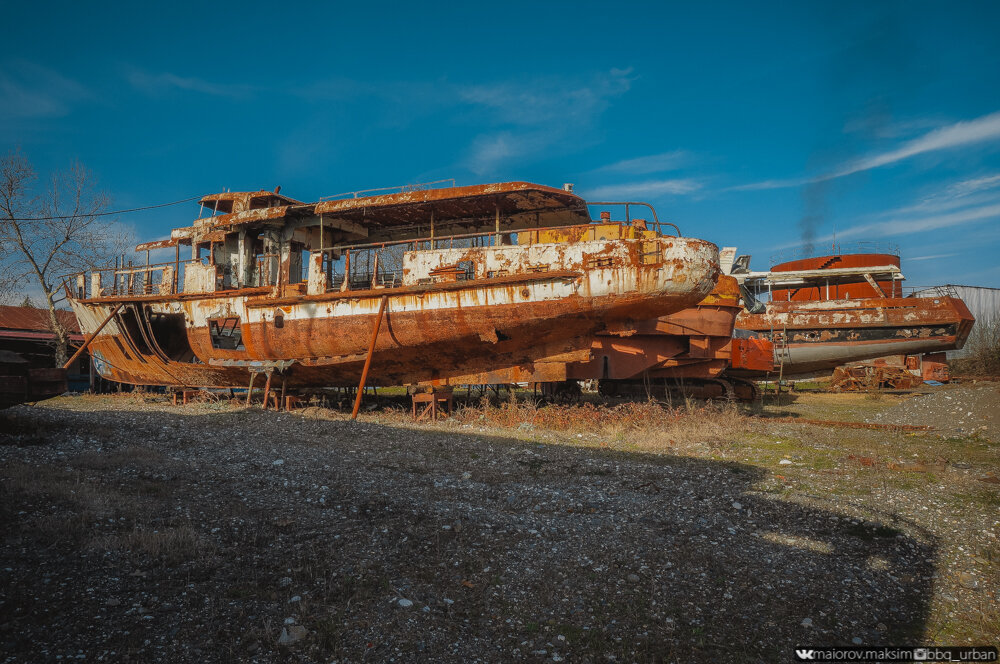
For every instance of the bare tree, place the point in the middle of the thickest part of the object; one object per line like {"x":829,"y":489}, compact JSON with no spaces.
{"x":49,"y":232}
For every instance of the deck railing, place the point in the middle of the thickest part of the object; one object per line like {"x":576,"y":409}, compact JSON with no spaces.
{"x":363,"y":266}
{"x":836,"y":249}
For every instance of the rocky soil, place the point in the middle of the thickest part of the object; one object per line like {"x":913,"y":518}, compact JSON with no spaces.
{"x":963,"y":409}
{"x":136,"y":531}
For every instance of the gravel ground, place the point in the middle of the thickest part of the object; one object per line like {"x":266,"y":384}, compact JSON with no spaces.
{"x":142,"y":532}
{"x":964,"y":409}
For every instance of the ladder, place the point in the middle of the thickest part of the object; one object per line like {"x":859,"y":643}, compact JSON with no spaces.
{"x":780,"y":340}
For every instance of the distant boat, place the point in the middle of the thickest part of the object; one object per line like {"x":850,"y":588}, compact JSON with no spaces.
{"x":824,"y":311}
{"x":467,"y":279}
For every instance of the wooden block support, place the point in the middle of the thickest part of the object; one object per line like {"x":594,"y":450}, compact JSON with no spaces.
{"x":438,"y":401}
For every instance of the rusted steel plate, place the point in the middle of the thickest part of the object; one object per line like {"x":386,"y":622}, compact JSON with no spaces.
{"x":820,"y":335}
{"x":448,"y":330}
{"x":156,"y":244}
{"x":543,"y":206}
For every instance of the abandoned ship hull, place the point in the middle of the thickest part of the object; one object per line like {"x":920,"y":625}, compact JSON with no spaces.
{"x":429,"y":331}
{"x":693,"y":346}
{"x":818,"y":335}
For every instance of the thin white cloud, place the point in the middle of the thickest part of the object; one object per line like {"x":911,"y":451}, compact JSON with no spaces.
{"x":986,"y":128}
{"x":772,"y":184}
{"x":970,"y":132}
{"x":489,"y":152}
{"x":547,"y":100}
{"x":167,"y":82}
{"x":654,"y":163}
{"x":30,"y":90}
{"x":976,"y":184}
{"x":536,"y":116}
{"x":962,"y":194}
{"x":905,"y":226}
{"x":932,"y":257}
{"x":647,"y":188}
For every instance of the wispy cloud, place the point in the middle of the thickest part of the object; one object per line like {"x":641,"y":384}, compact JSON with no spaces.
{"x":908,"y":225}
{"x":165,"y":82}
{"x":986,"y":128}
{"x":547,"y":100}
{"x":30,"y":90}
{"x":654,"y":163}
{"x":772,"y":184}
{"x":980,"y":130}
{"x":647,"y":188}
{"x":534,"y":116}
{"x":928,"y":258}
{"x":962,"y":194}
{"x":966,"y":187}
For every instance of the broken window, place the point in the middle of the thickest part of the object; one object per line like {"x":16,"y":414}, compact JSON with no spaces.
{"x":226,"y":333}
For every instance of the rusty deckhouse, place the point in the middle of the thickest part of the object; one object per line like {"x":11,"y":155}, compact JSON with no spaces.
{"x":422,"y":285}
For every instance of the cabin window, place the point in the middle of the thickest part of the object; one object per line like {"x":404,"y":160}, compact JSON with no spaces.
{"x":226,"y":333}
{"x":279,"y":320}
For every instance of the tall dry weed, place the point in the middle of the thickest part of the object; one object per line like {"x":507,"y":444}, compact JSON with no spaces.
{"x":983,"y":350}
{"x":648,"y":425}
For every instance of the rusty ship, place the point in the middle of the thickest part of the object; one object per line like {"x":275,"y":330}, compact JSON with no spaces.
{"x":691,"y":352}
{"x":417,"y":285}
{"x":824,"y":311}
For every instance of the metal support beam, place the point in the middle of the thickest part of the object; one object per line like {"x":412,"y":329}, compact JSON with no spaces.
{"x":368,"y":359}
{"x":86,"y":343}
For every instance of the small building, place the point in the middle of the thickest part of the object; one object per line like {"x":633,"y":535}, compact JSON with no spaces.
{"x":26,"y":331}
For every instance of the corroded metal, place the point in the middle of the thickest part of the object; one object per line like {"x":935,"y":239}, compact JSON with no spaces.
{"x":693,"y":345}
{"x":821,"y":334}
{"x":286,"y":286}
{"x":824,"y":311}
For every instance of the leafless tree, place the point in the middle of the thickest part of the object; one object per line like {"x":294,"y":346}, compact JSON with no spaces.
{"x":48,"y":232}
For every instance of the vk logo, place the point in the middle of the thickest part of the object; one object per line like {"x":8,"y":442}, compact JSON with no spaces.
{"x":804,"y":654}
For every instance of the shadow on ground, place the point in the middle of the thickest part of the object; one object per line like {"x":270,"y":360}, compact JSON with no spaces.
{"x":166,"y":536}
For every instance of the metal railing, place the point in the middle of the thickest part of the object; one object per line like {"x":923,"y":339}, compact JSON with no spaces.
{"x":508,"y":237}
{"x":835,"y":249}
{"x":658,"y":225}
{"x":362,"y":265}
{"x":402,"y":189}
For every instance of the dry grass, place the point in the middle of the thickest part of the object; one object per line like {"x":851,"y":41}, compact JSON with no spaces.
{"x":645,"y":426}
{"x":983,"y":347}
{"x":171,"y":544}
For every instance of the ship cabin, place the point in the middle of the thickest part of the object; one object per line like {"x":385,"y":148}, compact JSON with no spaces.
{"x":264,"y":243}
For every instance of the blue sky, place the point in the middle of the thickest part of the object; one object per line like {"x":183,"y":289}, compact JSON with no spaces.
{"x":754,"y":124}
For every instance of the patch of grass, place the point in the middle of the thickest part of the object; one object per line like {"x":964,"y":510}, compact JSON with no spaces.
{"x":171,"y":544}
{"x":983,"y":497}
